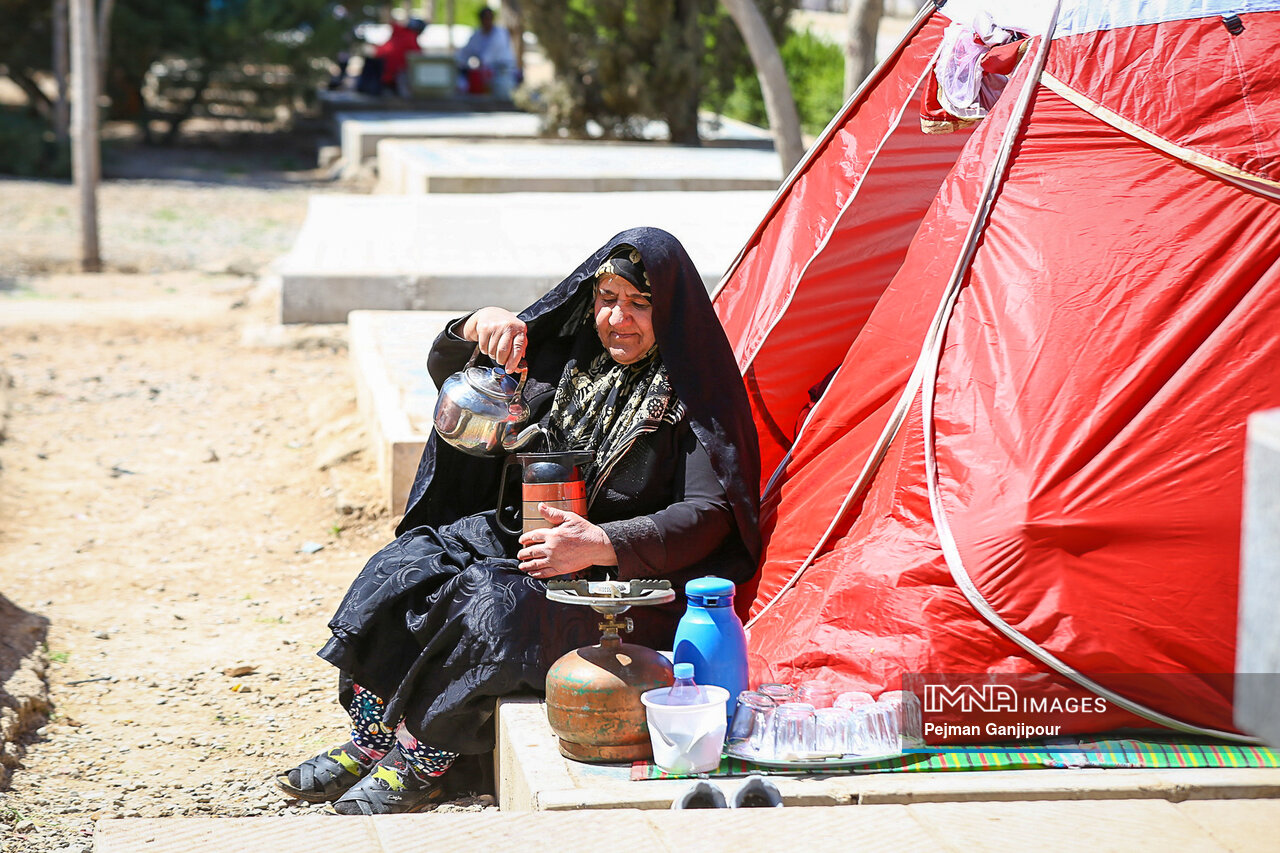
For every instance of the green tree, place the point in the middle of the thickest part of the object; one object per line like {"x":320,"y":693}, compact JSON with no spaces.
{"x":624,"y":62}
{"x":816,"y":71}
{"x":26,"y":47}
{"x":208,"y":38}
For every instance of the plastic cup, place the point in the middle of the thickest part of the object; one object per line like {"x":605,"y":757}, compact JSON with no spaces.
{"x":795,"y":732}
{"x":686,"y":738}
{"x":750,"y":725}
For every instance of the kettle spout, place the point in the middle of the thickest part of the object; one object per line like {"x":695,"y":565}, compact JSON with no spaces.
{"x":512,"y":443}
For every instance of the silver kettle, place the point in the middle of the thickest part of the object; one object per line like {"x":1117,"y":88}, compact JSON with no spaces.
{"x":480,"y":411}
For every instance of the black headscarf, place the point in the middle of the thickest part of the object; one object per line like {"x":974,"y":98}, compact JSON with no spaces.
{"x":699,"y":361}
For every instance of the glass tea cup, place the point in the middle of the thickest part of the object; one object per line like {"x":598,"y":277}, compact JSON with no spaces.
{"x":875,"y":731}
{"x":795,"y":731}
{"x":834,"y":731}
{"x":817,"y":694}
{"x":779,"y":693}
{"x":750,"y":727}
{"x":853,"y":699}
{"x":907,"y":714}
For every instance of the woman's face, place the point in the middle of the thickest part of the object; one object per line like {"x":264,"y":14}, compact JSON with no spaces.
{"x":624,"y":319}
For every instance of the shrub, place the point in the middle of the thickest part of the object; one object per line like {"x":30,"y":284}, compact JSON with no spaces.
{"x":815,"y":69}
{"x":28,"y":148}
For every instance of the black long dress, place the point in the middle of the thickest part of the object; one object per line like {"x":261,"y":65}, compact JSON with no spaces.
{"x":440,"y":621}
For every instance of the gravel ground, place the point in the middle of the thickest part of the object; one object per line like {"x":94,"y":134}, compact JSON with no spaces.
{"x":173,"y":459}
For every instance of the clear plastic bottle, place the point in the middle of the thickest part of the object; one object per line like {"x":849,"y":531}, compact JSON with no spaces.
{"x":685,"y":691}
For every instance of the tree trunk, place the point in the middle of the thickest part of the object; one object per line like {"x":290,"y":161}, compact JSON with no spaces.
{"x":860,"y":43}
{"x":84,"y":129}
{"x":513,"y":20}
{"x":61,"y":71}
{"x":104,"y":38}
{"x":681,"y":111}
{"x":779,"y":104}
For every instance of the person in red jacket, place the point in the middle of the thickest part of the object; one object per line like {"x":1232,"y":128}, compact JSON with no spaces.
{"x":384,"y":70}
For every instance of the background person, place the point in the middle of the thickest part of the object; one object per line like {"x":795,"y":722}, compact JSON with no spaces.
{"x":486,"y":62}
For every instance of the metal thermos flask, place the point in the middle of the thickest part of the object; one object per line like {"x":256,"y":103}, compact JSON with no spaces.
{"x":547,"y":478}
{"x":710,"y":636}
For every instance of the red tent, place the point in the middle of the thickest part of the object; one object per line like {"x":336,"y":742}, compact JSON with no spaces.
{"x":1047,"y":331}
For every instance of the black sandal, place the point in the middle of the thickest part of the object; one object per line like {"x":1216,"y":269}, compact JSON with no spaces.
{"x":327,"y":776}
{"x":392,"y":788}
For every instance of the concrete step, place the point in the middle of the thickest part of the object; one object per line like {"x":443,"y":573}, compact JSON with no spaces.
{"x":533,"y":776}
{"x":361,"y":132}
{"x":442,"y":166}
{"x":460,"y":252}
{"x":394,"y":393}
{"x":1242,"y":826}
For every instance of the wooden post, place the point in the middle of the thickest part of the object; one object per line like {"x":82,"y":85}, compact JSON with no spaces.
{"x":84,"y":129}
{"x":61,"y":70}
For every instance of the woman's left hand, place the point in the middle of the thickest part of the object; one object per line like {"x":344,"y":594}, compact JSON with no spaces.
{"x":570,"y":545}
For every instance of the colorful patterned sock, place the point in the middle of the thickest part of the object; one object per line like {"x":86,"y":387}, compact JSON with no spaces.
{"x":426,"y":760}
{"x":369,"y":734}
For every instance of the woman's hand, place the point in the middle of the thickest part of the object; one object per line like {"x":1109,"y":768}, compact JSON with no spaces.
{"x":501,"y":335}
{"x":571,"y":545}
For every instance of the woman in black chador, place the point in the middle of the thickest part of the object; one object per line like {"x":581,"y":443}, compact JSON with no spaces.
{"x":626,"y":360}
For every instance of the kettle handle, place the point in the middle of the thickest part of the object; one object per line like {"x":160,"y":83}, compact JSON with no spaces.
{"x":502,"y":489}
{"x":522,"y":368}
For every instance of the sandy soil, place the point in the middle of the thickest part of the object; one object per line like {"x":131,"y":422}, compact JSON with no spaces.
{"x":173,"y":461}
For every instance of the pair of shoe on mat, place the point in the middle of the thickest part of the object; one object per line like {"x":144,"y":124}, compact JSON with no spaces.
{"x":357,"y":785}
{"x":756,"y":793}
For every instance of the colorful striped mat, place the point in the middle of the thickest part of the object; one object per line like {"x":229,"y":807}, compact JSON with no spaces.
{"x":1152,"y":752}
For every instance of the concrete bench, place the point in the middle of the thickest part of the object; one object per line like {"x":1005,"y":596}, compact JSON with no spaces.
{"x":439,"y":166}
{"x":459,"y":252}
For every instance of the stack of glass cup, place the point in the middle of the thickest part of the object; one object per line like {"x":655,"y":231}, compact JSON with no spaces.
{"x":813,"y":722}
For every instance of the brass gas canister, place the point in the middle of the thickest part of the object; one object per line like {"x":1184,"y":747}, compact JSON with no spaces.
{"x":593,"y":693}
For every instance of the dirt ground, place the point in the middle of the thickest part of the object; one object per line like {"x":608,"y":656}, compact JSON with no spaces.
{"x":185,"y":494}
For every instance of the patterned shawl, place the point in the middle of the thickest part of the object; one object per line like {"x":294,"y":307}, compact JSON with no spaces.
{"x":605,"y":406}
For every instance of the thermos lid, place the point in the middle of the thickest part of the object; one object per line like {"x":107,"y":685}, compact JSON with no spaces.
{"x":709,"y":592}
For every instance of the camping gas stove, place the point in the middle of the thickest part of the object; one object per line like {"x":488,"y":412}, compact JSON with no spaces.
{"x":593,"y":693}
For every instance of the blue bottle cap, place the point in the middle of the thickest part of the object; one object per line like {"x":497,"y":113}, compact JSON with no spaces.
{"x":683,"y":670}
{"x":709,"y":592}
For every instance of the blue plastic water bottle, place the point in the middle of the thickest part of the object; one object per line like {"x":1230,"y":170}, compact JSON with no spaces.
{"x":710,"y":637}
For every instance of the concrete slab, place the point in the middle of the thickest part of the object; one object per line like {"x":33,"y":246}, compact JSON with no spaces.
{"x":277,"y":834}
{"x":1243,"y":826}
{"x":1130,"y":826}
{"x":878,"y":828}
{"x":462,"y":251}
{"x":534,"y":777}
{"x":1089,"y":825}
{"x":361,"y":132}
{"x":394,"y":393}
{"x":441,"y":166}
